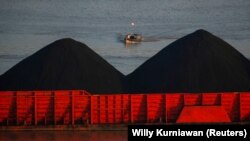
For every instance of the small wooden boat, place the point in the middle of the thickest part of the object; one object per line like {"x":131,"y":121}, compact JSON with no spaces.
{"x":132,"y":38}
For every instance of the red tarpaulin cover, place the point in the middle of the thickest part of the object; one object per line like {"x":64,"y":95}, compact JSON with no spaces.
{"x":200,"y":114}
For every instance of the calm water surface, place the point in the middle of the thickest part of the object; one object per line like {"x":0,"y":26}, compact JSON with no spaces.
{"x":64,"y":136}
{"x":28,"y":25}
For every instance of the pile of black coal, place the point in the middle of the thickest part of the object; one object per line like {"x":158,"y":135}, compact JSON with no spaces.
{"x":198,"y":62}
{"x":64,"y":64}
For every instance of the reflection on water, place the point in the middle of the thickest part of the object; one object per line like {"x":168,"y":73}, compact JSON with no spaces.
{"x":64,"y":136}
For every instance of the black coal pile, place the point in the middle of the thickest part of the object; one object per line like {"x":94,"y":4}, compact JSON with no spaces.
{"x":64,"y":64}
{"x":198,"y":62}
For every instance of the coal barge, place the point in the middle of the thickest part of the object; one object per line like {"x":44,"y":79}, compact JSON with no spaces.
{"x":72,"y":108}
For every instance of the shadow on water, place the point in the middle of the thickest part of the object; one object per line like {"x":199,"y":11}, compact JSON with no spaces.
{"x":64,"y":136}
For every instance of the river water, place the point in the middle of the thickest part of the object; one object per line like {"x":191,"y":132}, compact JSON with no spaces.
{"x":64,"y":136}
{"x":28,"y":25}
